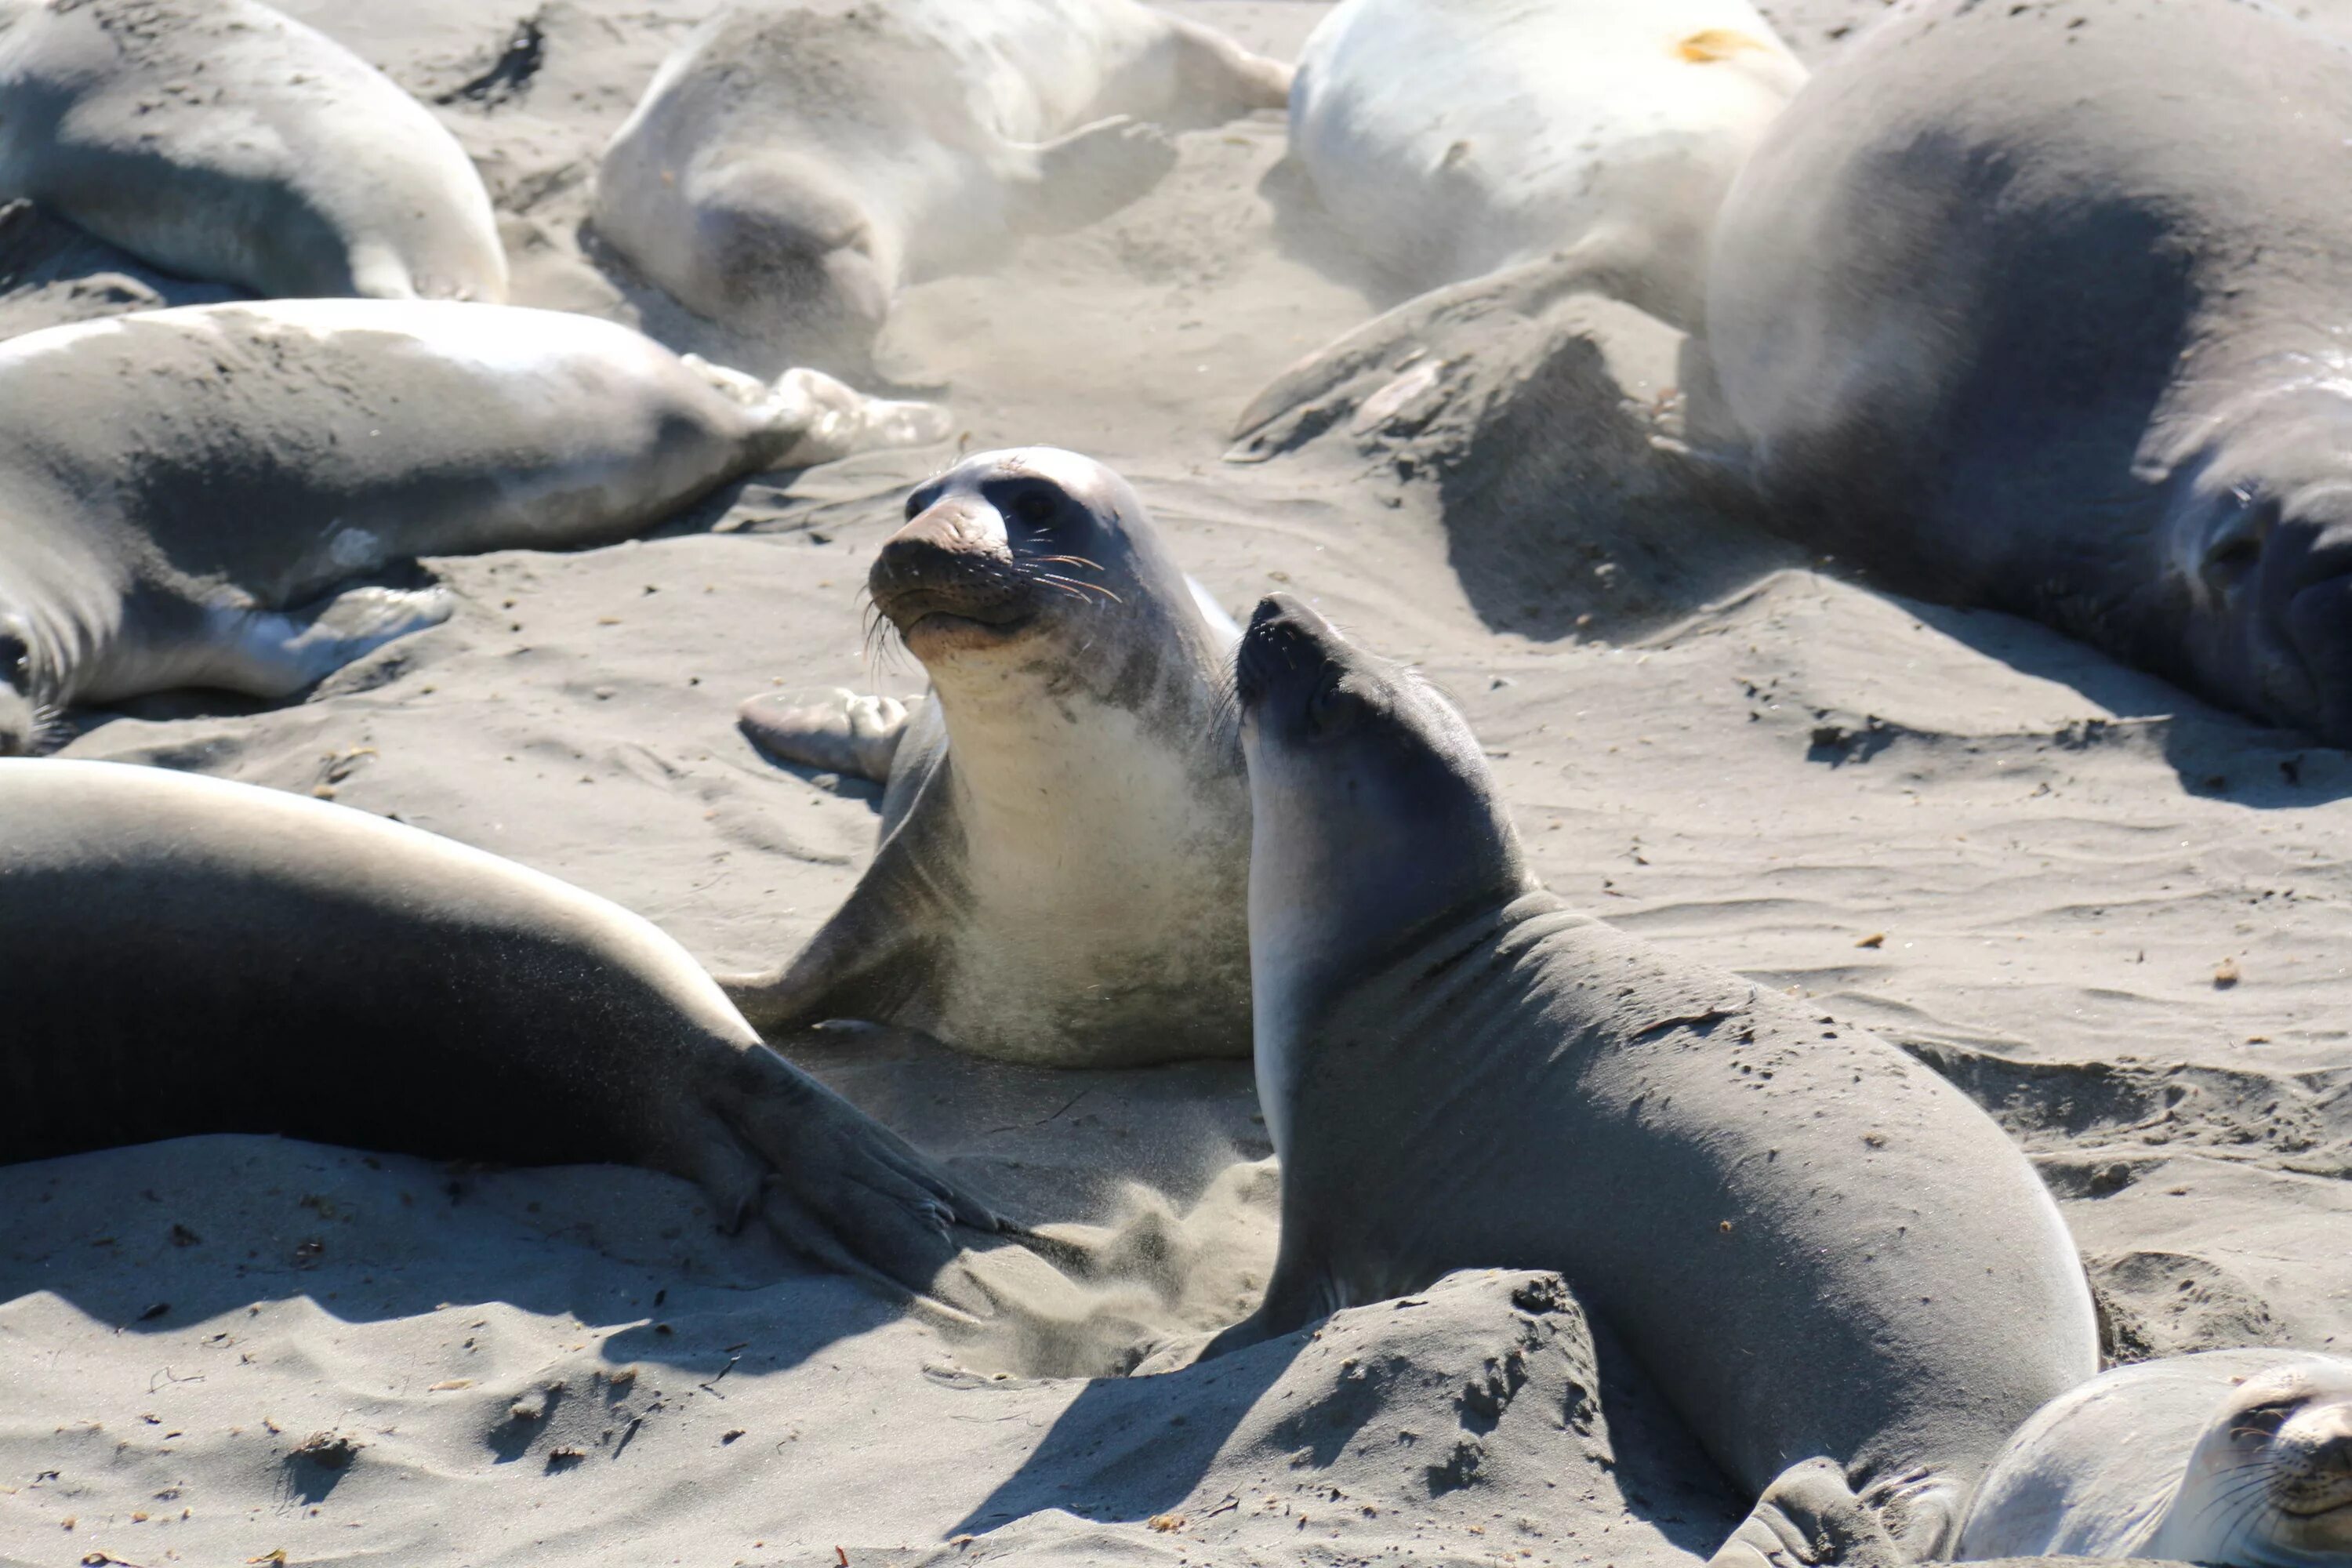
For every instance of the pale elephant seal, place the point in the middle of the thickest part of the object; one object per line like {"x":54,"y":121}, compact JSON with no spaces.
{"x":1065,"y":832}
{"x":795,"y":160}
{"x":223,"y":140}
{"x":2043,"y":306}
{"x":1449,"y":139}
{"x":2240,"y":1458}
{"x":1847,"y":1281}
{"x":184,"y":488}
{"x":190,"y":955}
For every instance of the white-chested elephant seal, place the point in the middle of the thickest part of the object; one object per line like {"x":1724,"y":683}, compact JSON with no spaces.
{"x":190,"y":955}
{"x":2046,"y":306}
{"x":1065,"y":831}
{"x":221,"y":139}
{"x":795,"y":160}
{"x":1837,"y":1268}
{"x":1449,"y":139}
{"x":2240,"y":1458}
{"x":185,"y":488}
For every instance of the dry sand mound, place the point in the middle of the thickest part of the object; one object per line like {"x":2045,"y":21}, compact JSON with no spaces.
{"x":2117,"y":917}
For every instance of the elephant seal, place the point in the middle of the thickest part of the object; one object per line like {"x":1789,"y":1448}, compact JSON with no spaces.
{"x":1447,"y":140}
{"x":221,"y":139}
{"x":2240,"y":1458}
{"x":2043,"y":306}
{"x":185,"y":488}
{"x":1065,"y":831}
{"x":795,"y":160}
{"x":191,"y":955}
{"x":1835,"y":1266}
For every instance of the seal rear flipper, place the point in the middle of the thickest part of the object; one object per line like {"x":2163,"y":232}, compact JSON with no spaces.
{"x":813,"y":418}
{"x":853,"y":734}
{"x":1220,"y":80}
{"x":1088,"y":175}
{"x":1810,"y":1516}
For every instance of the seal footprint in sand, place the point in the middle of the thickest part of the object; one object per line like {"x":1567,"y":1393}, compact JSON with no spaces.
{"x":1066,"y":829}
{"x":1848,"y":1281}
{"x":221,"y":139}
{"x":186,"y":489}
{"x":795,"y":161}
{"x":189,"y":955}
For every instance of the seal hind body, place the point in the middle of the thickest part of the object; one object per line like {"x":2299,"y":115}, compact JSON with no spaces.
{"x":2041,"y":307}
{"x":224,"y":141}
{"x":191,"y":955}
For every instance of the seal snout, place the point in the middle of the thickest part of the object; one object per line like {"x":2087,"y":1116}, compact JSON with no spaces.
{"x":951,"y":565}
{"x":2314,"y":1469}
{"x":1286,"y":638}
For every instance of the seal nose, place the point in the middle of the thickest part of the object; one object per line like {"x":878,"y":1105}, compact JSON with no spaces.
{"x":956,"y":550}
{"x":1284,"y":635}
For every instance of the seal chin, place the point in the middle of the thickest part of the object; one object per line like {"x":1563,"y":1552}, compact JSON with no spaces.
{"x":936,"y":632}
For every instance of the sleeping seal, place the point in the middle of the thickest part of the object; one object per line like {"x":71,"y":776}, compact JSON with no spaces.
{"x":2241,"y":1458}
{"x":1065,"y":832}
{"x":191,"y":955}
{"x":795,"y":160}
{"x":1842,"y":1274}
{"x":185,"y":488}
{"x":223,"y":140}
{"x":2047,"y":307}
{"x":1451,"y":140}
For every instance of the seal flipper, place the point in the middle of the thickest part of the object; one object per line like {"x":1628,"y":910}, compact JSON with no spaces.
{"x":1088,"y":175}
{"x":277,"y":653}
{"x":807,"y":416}
{"x":866,"y":963}
{"x":1810,"y":1518}
{"x":853,"y":734}
{"x":1220,"y":79}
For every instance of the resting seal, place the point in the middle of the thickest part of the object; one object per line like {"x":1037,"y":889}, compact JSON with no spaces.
{"x":1450,"y":140}
{"x":795,"y":160}
{"x":1065,"y":831}
{"x":2241,"y":1458}
{"x":223,"y":140}
{"x":1842,"y":1274}
{"x":190,"y":955}
{"x":183,"y":489}
{"x":2043,"y":306}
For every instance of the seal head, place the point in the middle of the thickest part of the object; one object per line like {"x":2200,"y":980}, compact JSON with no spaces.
{"x":2269,"y":1483}
{"x":2262,"y":531}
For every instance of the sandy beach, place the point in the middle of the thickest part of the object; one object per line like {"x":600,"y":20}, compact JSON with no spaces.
{"x":2121,"y":920}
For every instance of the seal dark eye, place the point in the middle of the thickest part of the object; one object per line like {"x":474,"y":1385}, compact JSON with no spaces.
{"x":14,"y":656}
{"x":2236,"y":547}
{"x":1332,"y":710}
{"x":1034,"y":507}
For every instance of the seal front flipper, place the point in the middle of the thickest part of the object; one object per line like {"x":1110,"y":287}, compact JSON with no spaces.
{"x":853,"y":734}
{"x":1088,"y":175}
{"x":277,"y":653}
{"x":866,"y":963}
{"x":1810,"y":1516}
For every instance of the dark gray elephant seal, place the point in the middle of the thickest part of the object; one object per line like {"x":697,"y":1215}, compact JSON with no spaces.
{"x":185,"y":489}
{"x":2045,"y":307}
{"x":223,"y":140}
{"x":191,"y":955}
{"x":2240,"y":1457}
{"x":1837,"y":1268}
{"x":795,"y":160}
{"x":1065,"y":831}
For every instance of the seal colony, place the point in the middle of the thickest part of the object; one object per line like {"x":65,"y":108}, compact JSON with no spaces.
{"x":2043,"y":306}
{"x":1065,"y":835}
{"x":2242,"y":1456}
{"x":189,"y":489}
{"x":301,"y":172}
{"x":190,"y":955}
{"x":795,"y":160}
{"x":1458,"y":1071}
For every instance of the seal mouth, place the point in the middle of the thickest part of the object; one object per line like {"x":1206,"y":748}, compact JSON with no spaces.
{"x":940,"y":619}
